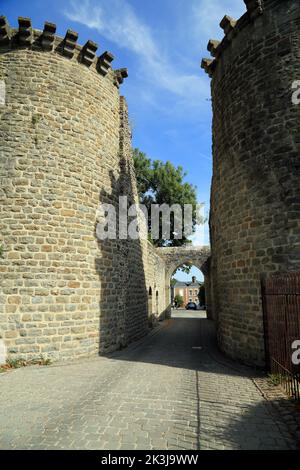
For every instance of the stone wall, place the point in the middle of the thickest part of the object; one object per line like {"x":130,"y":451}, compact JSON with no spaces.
{"x":65,"y":146}
{"x":255,"y":204}
{"x":156,"y":287}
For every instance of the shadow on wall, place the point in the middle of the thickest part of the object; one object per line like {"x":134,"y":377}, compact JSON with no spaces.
{"x":123,"y":301}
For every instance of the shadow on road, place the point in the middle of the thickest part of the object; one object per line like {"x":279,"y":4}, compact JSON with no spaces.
{"x":188,"y":341}
{"x":218,"y":399}
{"x":170,"y":391}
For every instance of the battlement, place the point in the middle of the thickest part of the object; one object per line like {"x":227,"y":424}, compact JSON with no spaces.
{"x":26,"y":37}
{"x":231,"y":28}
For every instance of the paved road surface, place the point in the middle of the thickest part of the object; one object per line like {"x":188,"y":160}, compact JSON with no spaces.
{"x":173,"y":390}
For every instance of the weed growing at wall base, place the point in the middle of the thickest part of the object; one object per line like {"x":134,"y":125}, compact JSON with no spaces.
{"x":17,"y":363}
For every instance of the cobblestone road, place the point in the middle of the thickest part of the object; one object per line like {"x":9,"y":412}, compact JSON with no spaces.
{"x":173,"y":390}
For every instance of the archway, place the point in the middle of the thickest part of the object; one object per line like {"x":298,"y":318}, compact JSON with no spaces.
{"x":186,"y":282}
{"x":177,"y":256}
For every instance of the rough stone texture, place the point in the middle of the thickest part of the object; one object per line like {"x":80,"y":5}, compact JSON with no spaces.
{"x":65,"y":146}
{"x":255,"y":205}
{"x":165,"y":393}
{"x":157,"y":287}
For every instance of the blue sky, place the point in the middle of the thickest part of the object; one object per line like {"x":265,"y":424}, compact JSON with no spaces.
{"x":181,"y":276}
{"x":161,"y":42}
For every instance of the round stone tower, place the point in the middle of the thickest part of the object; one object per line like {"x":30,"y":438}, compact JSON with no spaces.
{"x":64,"y":147}
{"x":255,"y":196}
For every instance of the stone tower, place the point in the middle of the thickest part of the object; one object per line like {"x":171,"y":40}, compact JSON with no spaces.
{"x":255,"y":197}
{"x":65,"y":146}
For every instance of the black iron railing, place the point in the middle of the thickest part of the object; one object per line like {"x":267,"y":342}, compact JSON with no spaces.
{"x":281,"y":307}
{"x":290,"y":381}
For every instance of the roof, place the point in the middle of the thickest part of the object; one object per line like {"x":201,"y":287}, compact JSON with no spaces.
{"x":188,"y":284}
{"x":180,"y":284}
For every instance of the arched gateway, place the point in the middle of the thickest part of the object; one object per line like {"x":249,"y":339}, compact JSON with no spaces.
{"x":175,"y":257}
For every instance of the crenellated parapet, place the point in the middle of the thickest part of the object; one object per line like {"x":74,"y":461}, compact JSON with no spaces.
{"x":254,"y":8}
{"x":120,"y":74}
{"x":48,"y":36}
{"x":88,"y":53}
{"x":25,"y":33}
{"x":104,"y":61}
{"x":69,"y":43}
{"x":4,"y":31}
{"x":231,"y":28}
{"x":26,"y":37}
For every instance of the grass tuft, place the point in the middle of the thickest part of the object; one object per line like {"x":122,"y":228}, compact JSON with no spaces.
{"x":16,"y":363}
{"x":274,"y":379}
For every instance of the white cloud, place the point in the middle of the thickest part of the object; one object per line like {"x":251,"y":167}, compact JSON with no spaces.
{"x":117,"y":21}
{"x":206,"y":16}
{"x":201,"y":235}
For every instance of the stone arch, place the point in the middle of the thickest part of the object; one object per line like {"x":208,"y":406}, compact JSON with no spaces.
{"x":175,"y":257}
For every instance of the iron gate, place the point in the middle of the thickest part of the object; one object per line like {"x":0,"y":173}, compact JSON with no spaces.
{"x":281,"y":307}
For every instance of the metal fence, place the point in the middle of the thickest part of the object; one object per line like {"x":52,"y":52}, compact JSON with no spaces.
{"x":281,"y":307}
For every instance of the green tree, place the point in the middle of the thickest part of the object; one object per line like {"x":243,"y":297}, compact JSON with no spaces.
{"x":178,"y":300}
{"x":163,"y":183}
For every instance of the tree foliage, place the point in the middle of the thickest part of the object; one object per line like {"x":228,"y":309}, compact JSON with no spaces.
{"x":178,"y":300}
{"x":163,"y":183}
